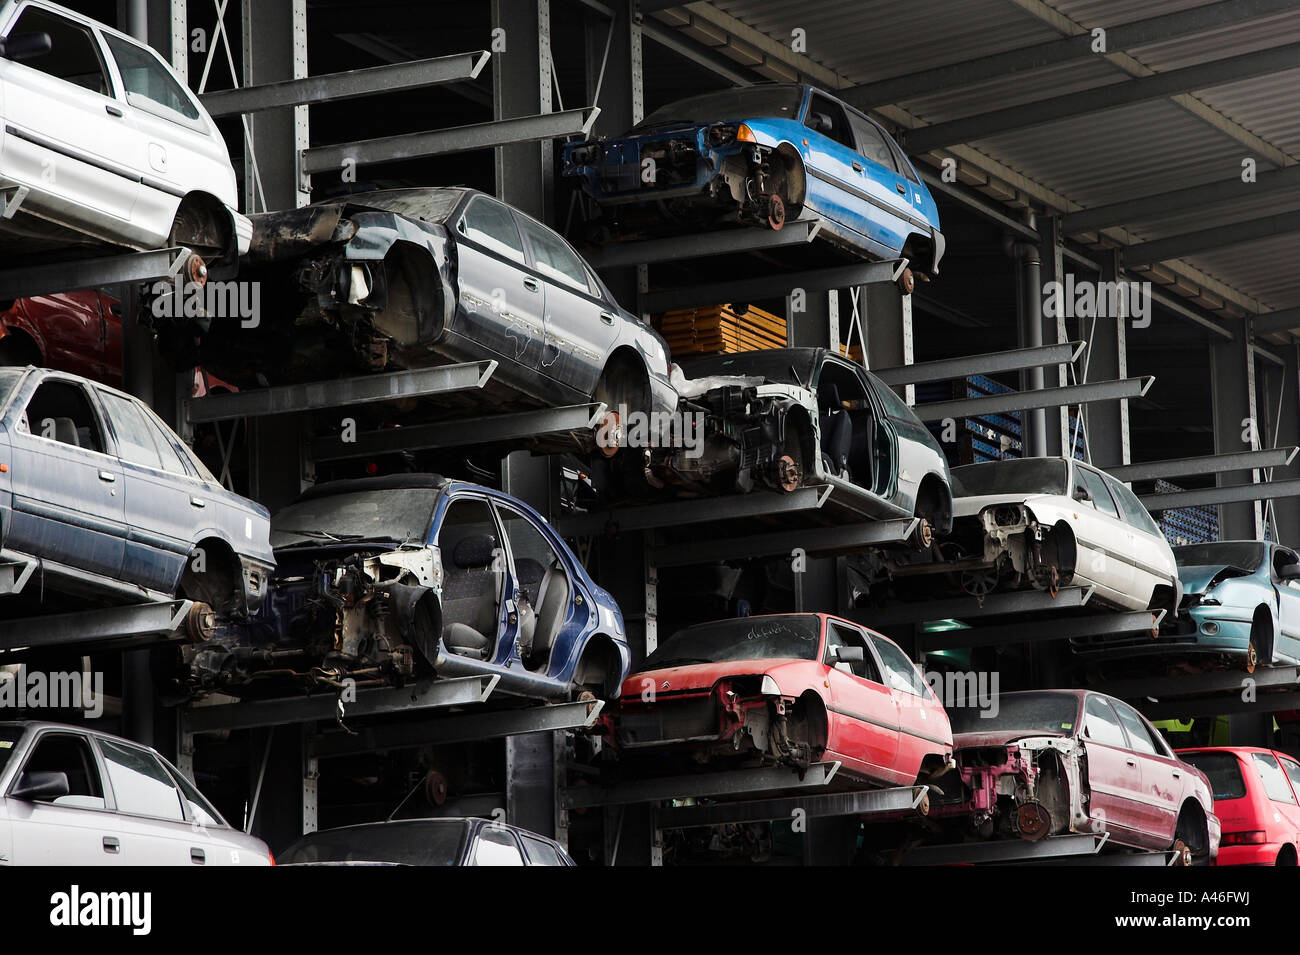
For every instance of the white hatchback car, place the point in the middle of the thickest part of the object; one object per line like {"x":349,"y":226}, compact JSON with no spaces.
{"x":101,"y":144}
{"x":1049,"y":522}
{"x":73,"y":796}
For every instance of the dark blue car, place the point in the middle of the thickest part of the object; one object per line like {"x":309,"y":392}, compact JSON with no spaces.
{"x":99,"y":499}
{"x":762,"y":154}
{"x":392,"y":578}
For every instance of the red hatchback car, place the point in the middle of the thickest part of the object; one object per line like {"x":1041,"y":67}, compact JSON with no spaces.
{"x":1255,"y":798}
{"x":791,"y":689}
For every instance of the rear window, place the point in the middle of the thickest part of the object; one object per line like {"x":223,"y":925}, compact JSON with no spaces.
{"x":1223,"y":770}
{"x":9,"y":736}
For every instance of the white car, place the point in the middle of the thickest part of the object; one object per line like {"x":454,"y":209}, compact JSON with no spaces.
{"x":1051,"y":522}
{"x":76,"y":797}
{"x":101,"y":144}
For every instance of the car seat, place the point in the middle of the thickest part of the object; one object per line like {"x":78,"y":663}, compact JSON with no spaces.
{"x":836,"y":430}
{"x":65,"y":430}
{"x":552,"y":607}
{"x":471,"y":596}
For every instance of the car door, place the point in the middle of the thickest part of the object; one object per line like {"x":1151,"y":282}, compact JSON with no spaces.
{"x":495,"y":846}
{"x":833,"y":164}
{"x":77,"y":829}
{"x":1164,"y":777}
{"x":67,"y":491}
{"x":1153,"y":564}
{"x":1105,"y":540}
{"x":163,"y":507}
{"x":544,"y":596}
{"x":480,"y":618}
{"x":1288,"y":600}
{"x":502,"y":303}
{"x":1290,"y":811}
{"x":580,"y":328}
{"x":1114,"y":776}
{"x":65,"y":131}
{"x":918,"y":734}
{"x":863,"y":713}
{"x":882,"y":185}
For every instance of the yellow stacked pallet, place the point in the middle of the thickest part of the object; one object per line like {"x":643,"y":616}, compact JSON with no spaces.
{"x":719,"y":328}
{"x":853,"y":353}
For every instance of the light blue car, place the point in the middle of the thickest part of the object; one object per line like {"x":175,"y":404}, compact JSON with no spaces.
{"x":761,"y":155}
{"x":1241,"y":602}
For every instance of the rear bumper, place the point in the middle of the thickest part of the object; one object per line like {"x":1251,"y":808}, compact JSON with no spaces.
{"x":1265,"y":854}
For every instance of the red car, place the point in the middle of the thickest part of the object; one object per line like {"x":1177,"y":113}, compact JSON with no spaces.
{"x":1046,"y":762}
{"x":76,"y":332}
{"x":791,"y":689}
{"x":1255,"y":797}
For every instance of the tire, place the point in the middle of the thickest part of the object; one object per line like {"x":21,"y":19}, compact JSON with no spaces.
{"x":623,"y":389}
{"x":1261,"y":639}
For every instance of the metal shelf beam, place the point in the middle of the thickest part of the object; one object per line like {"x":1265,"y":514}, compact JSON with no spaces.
{"x":458,"y":728}
{"x":1039,"y":398}
{"x":1207,"y":464}
{"x":698,"y":511}
{"x":333,"y":87}
{"x":735,"y":782}
{"x":965,"y":608}
{"x":898,"y":802}
{"x":364,"y":389}
{"x":516,"y":426}
{"x":1070,"y":845}
{"x":121,"y":269}
{"x":1189,"y":684}
{"x":108,"y":624}
{"x":772,"y":286}
{"x":1232,"y":494}
{"x":427,"y":695}
{"x":1223,"y":705}
{"x":989,"y":364}
{"x":815,"y":541}
{"x":703,"y":244}
{"x":1137,"y":621}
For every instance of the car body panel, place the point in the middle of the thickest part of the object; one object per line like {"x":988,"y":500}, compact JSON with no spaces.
{"x":1257,"y":828}
{"x":374,"y":844}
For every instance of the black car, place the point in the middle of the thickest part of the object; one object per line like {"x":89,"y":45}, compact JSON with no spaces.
{"x":431,"y":842}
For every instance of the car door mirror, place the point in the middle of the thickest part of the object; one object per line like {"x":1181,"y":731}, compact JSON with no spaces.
{"x":25,"y":46}
{"x":850,"y":654}
{"x":1289,"y":572}
{"x":819,"y":122}
{"x":39,"y":784}
{"x":1081,"y":493}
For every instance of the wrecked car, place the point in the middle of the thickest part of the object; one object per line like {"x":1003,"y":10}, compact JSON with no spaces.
{"x":786,"y":418}
{"x":410,"y":278}
{"x":1046,"y":523}
{"x":388,"y":579}
{"x":1047,"y":762}
{"x":762,"y":155}
{"x":1255,"y":798}
{"x":786,"y":689}
{"x":440,"y":841}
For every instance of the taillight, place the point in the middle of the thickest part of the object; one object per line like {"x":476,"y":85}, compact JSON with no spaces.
{"x":271,"y":856}
{"x":1252,"y":837}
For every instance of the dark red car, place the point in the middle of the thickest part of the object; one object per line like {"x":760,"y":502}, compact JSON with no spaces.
{"x":791,"y":689}
{"x":76,"y":332}
{"x":1046,"y":762}
{"x":1255,"y":798}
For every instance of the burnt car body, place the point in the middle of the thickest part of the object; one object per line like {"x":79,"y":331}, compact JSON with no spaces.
{"x":792,"y":417}
{"x":790,"y":689}
{"x":426,"y":842}
{"x":760,"y":155}
{"x":409,"y":278}
{"x":1049,"y":762}
{"x":390,"y":579}
{"x":77,"y":332}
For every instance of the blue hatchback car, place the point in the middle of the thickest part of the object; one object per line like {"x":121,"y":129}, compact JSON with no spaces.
{"x":387,"y":579}
{"x":763,"y":154}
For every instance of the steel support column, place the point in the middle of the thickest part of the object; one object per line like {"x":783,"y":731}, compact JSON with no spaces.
{"x":1282,"y":394}
{"x":1107,"y":422}
{"x":1236,"y":428}
{"x":1051,"y":268}
{"x":521,"y":86}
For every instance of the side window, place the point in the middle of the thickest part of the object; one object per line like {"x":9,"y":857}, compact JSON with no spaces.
{"x":900,"y":672}
{"x":141,"y":786}
{"x":1101,"y":725}
{"x":1139,"y":736}
{"x":1274,"y":779}
{"x":166,"y":443}
{"x":60,"y":411}
{"x":553,"y":258}
{"x":871,"y":142}
{"x":201,"y":811}
{"x":541,"y":853}
{"x":146,"y":78}
{"x":474,"y":574}
{"x":496,"y":847}
{"x":491,"y":225}
{"x":1292,"y":770}
{"x":1134,"y":512}
{"x":895,"y":406}
{"x":1282,"y":557}
{"x":841,"y":636}
{"x":74,"y":54}
{"x":900,"y":160}
{"x":135,"y":443}
{"x":827,"y":117}
{"x":71,"y":755}
{"x":1096,"y":486}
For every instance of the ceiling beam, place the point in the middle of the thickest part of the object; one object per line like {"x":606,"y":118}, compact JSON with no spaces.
{"x":1203,"y":240}
{"x":1283,"y":320}
{"x":1111,"y":96}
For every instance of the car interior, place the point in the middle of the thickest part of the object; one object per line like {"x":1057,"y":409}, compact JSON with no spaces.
{"x":70,"y":755}
{"x":865,"y":668}
{"x":544,"y":588}
{"x":827,"y":117}
{"x":73,"y":55}
{"x":848,"y":427}
{"x":60,"y":411}
{"x":473,"y":578}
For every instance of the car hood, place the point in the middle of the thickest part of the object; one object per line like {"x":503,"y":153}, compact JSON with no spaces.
{"x":701,"y":676}
{"x":970,"y":506}
{"x":1199,"y":578}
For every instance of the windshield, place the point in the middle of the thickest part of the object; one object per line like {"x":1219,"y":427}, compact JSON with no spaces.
{"x":1017,"y":476}
{"x":1020,"y":714}
{"x":1244,"y":554}
{"x":1223,"y":771}
{"x":793,"y":637}
{"x":9,"y":378}
{"x":780,"y":365}
{"x":427,"y":842}
{"x":750,"y":102}
{"x":397,"y":515}
{"x":8,"y":740}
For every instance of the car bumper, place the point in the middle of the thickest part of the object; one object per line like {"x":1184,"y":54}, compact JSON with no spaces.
{"x":243,"y":231}
{"x":1265,"y":854}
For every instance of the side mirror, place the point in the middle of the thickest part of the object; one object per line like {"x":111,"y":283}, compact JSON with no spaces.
{"x":820,"y":122}
{"x":37,"y":785}
{"x":850,"y":654}
{"x":1081,"y":493}
{"x":1289,"y":572}
{"x":25,"y":46}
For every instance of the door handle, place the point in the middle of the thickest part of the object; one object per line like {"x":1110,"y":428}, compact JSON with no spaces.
{"x":107,"y":476}
{"x":198,"y":502}
{"x":111,"y":844}
{"x":532,"y":285}
{"x":1130,"y":762}
{"x":900,"y":188}
{"x":112,"y":110}
{"x":1177,"y":774}
{"x":857,"y":166}
{"x":607,"y":317}
{"x":197,"y":856}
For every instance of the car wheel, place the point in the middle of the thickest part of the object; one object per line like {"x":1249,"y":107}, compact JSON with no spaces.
{"x":199,"y":229}
{"x":776,"y":212}
{"x":790,"y":468}
{"x":625,"y":392}
{"x":906,"y":282}
{"x":1260,"y":649}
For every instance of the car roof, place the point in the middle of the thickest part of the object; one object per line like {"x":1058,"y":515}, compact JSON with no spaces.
{"x":70,"y":727}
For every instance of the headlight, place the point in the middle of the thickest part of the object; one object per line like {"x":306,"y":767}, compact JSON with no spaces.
{"x":769,"y":687}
